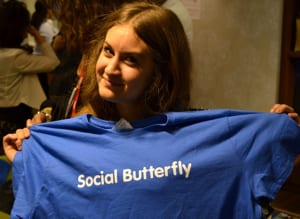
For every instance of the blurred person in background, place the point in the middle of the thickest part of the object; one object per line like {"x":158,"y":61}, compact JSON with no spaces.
{"x":42,"y":20}
{"x":20,"y":90}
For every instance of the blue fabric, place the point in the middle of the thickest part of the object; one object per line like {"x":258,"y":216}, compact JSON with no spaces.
{"x":4,"y":170}
{"x":200,"y":164}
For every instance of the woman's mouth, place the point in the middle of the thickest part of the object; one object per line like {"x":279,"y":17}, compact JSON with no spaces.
{"x":111,"y":83}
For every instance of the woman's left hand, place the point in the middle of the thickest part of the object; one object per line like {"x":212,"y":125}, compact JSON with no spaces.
{"x":283,"y":108}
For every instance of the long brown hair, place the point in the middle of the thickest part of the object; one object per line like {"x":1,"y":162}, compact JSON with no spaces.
{"x":163,"y":33}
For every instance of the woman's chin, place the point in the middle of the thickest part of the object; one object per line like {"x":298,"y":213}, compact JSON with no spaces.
{"x":108,"y":96}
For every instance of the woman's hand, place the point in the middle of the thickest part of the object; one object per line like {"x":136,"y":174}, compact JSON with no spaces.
{"x":12,"y":143}
{"x":283,"y":108}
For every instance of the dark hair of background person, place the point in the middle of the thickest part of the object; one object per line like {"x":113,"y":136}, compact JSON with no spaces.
{"x":40,"y":13}
{"x":13,"y":28}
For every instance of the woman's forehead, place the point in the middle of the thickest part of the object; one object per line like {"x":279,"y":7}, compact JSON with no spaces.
{"x":124,"y":38}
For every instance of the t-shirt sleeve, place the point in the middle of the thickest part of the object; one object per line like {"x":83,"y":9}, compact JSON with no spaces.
{"x":268,"y":145}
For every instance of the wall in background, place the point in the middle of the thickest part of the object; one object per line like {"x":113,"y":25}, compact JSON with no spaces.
{"x":236,"y":53}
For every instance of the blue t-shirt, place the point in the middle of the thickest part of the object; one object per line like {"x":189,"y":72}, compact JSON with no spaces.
{"x":200,"y":164}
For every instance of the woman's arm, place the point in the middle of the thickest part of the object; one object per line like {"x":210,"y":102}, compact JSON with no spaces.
{"x":31,"y":63}
{"x":37,"y":36}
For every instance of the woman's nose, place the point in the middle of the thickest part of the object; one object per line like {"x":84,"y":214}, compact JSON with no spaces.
{"x":113,"y":66}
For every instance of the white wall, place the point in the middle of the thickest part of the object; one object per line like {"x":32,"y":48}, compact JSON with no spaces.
{"x":237,"y":54}
{"x":30,"y":4}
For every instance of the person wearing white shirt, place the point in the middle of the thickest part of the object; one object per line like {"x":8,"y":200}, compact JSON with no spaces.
{"x":20,"y":89}
{"x":42,"y":21}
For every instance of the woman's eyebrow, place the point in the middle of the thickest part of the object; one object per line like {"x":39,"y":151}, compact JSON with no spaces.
{"x":135,"y":52}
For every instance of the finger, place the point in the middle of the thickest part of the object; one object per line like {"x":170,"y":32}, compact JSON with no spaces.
{"x":20,"y":133}
{"x":19,"y":145}
{"x":9,"y":139}
{"x":282,"y":108}
{"x":26,"y":132}
{"x":37,"y":118}
{"x":274,"y":107}
{"x":9,"y":146}
{"x":286,"y":108}
{"x":29,"y":123}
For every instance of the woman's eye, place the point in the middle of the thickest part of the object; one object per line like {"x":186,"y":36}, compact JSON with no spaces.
{"x":107,"y":50}
{"x":131,"y":60}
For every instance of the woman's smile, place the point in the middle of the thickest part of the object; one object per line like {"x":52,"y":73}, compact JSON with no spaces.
{"x":109,"y":83}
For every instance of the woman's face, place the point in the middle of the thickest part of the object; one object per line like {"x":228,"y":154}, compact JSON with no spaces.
{"x":125,"y":66}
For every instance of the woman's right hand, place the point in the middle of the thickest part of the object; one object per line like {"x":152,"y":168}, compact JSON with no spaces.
{"x":12,"y":143}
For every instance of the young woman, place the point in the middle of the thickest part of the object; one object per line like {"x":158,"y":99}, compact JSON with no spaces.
{"x":164,"y":88}
{"x":131,"y":156}
{"x":75,"y":18}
